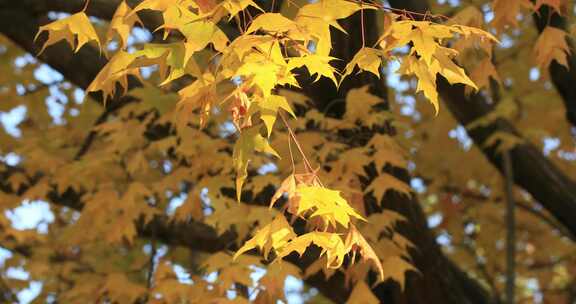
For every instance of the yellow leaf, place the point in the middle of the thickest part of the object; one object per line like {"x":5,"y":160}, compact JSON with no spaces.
{"x":385,"y":182}
{"x":170,"y":58}
{"x":191,"y":208}
{"x":395,"y":269}
{"x":551,"y":46}
{"x":483,"y":72}
{"x":359,"y":103}
{"x":250,"y":140}
{"x":326,"y":204}
{"x":361,"y":294}
{"x":160,"y":5}
{"x":426,"y":78}
{"x":316,"y":65}
{"x":116,"y":71}
{"x":271,"y":22}
{"x":328,"y":11}
{"x":507,"y":11}
{"x":199,"y":94}
{"x":272,"y":236}
{"x":77,"y":25}
{"x":121,"y":24}
{"x":331,"y":245}
{"x":235,"y":6}
{"x":263,"y":73}
{"x":367,"y":59}
{"x":268,"y":110}
{"x":356,"y":242}
{"x":445,"y":66}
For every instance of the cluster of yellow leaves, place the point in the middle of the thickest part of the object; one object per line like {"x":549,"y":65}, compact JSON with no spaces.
{"x":327,"y":213}
{"x":551,"y":44}
{"x":243,"y":76}
{"x":427,"y":57}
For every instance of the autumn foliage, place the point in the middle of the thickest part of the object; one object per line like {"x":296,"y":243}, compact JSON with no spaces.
{"x":200,"y":165}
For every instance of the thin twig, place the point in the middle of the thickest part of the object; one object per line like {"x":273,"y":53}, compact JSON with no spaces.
{"x":362,"y":23}
{"x":510,"y":229}
{"x":86,"y":5}
{"x":291,"y":132}
{"x":291,"y":155}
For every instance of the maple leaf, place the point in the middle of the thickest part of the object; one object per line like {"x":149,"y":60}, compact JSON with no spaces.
{"x":426,"y":78}
{"x":170,"y":58}
{"x":361,"y":294}
{"x":287,"y":186}
{"x":263,"y":73}
{"x":357,"y":243}
{"x":386,"y":219}
{"x":249,"y":141}
{"x":317,"y":17}
{"x":274,"y":280}
{"x":271,"y":22}
{"x":191,"y":208}
{"x":275,"y":235}
{"x":116,"y":71}
{"x":160,"y":5}
{"x":396,"y":268}
{"x":268,"y":109}
{"x":121,"y":24}
{"x":506,"y":11}
{"x":331,"y":244}
{"x":198,"y":31}
{"x":483,"y":72}
{"x":316,"y":64}
{"x":236,"y":6}
{"x":230,"y":270}
{"x":77,"y":25}
{"x":326,"y":204}
{"x":199,"y":94}
{"x":426,"y":72}
{"x":367,"y":59}
{"x":385,"y":182}
{"x":551,"y":46}
{"x":359,"y":103}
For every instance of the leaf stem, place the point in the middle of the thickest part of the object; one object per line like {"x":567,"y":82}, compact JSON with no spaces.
{"x":293,"y":136}
{"x":510,"y":229}
{"x":362,"y":23}
{"x":86,"y":5}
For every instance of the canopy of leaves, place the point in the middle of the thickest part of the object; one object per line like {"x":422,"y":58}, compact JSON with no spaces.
{"x":199,"y":164}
